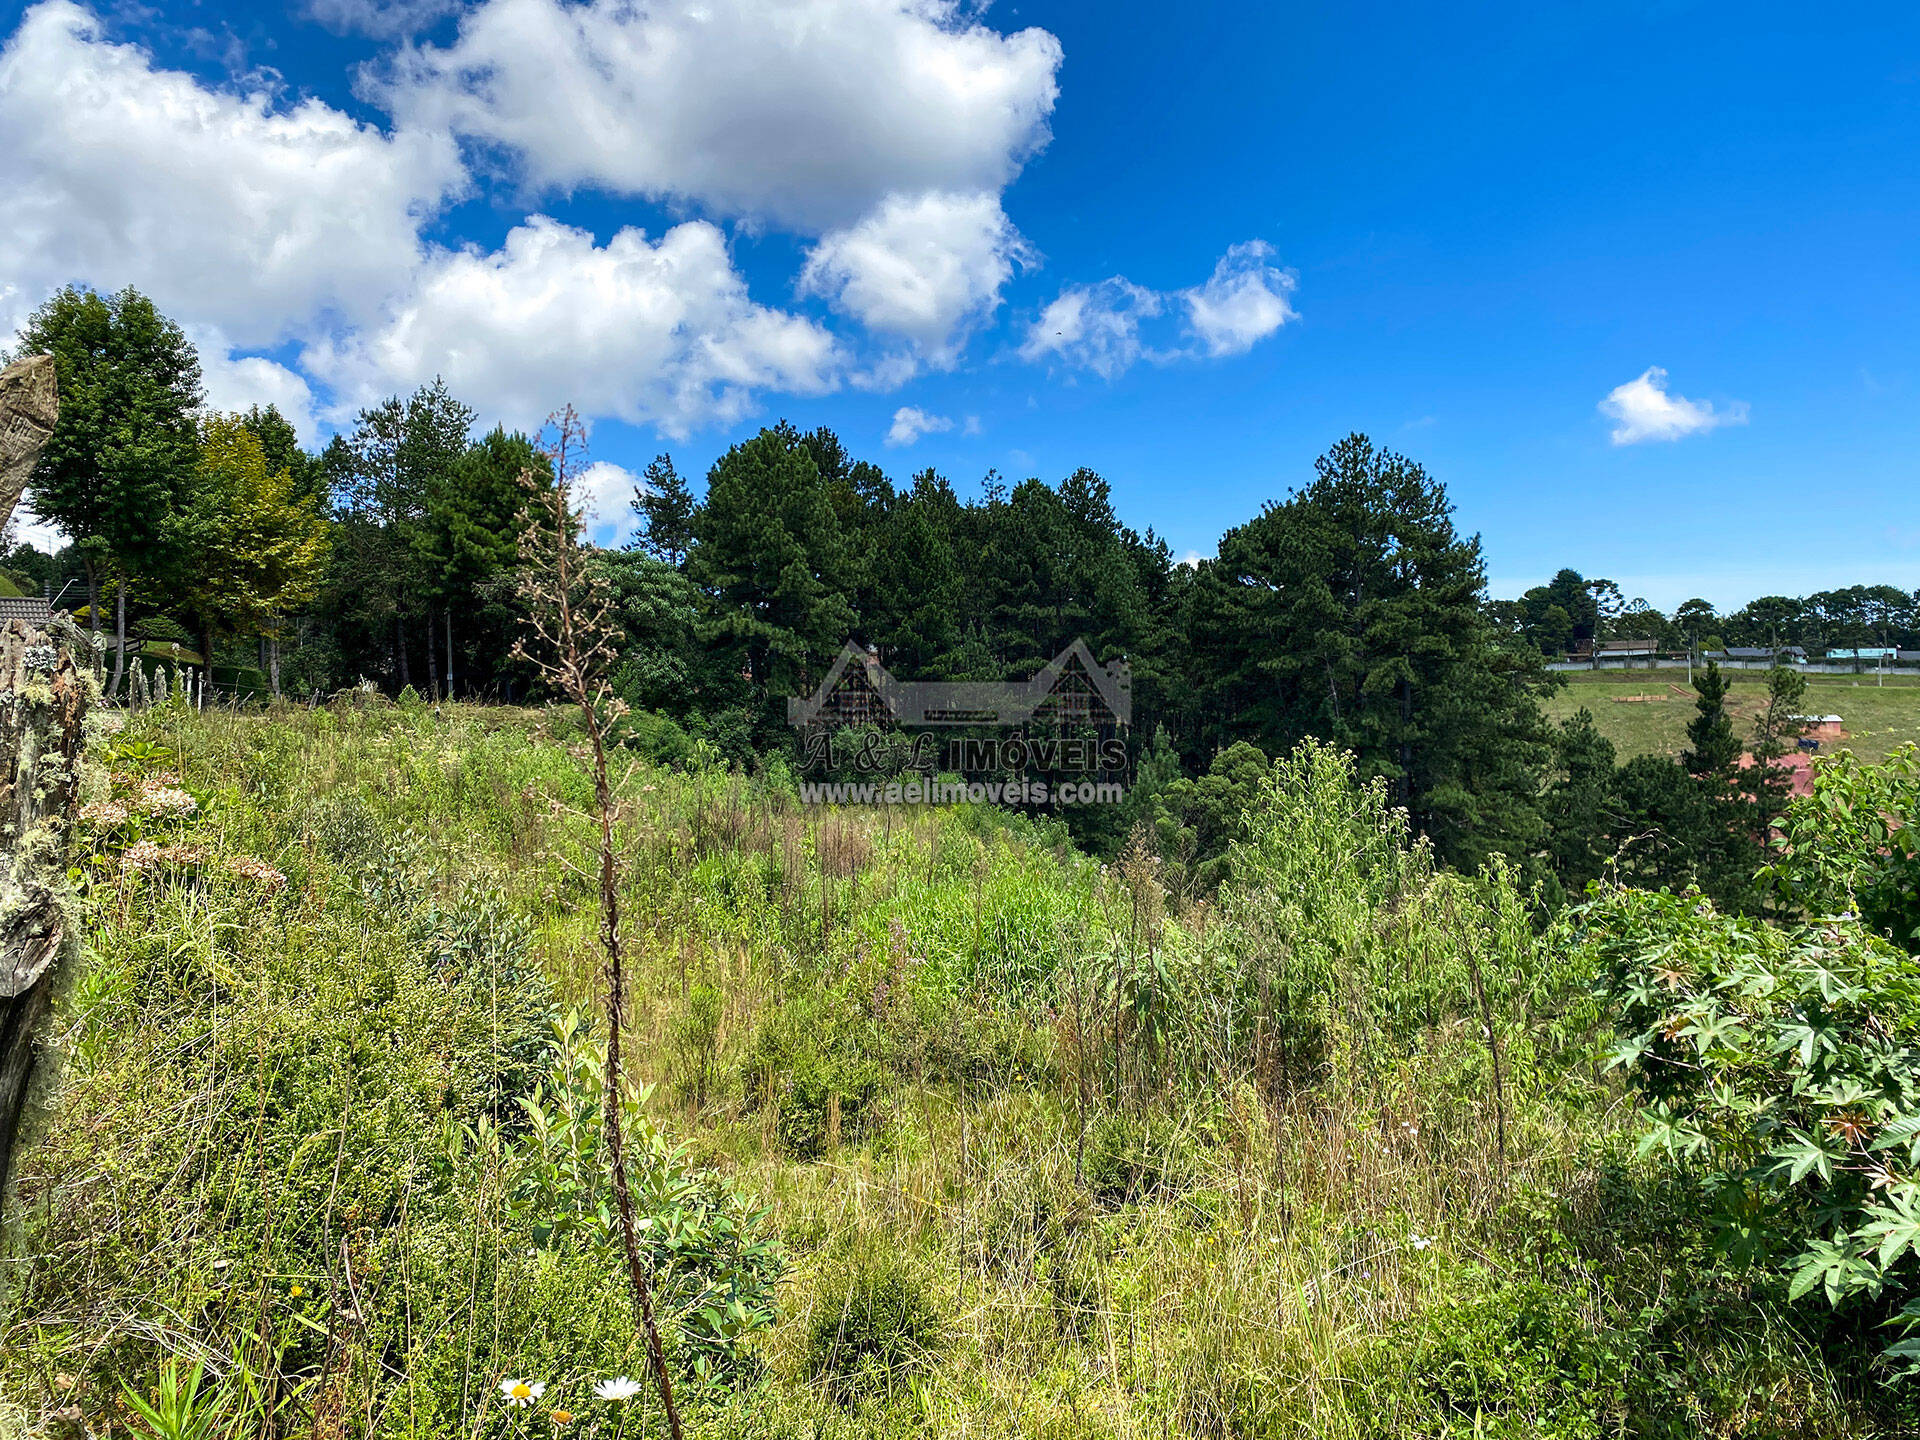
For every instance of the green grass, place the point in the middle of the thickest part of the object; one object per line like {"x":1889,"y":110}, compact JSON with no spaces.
{"x":1046,"y":1154}
{"x":1646,"y":712}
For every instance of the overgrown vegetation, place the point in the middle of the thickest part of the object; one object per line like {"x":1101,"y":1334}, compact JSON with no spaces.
{"x":938,"y":1124}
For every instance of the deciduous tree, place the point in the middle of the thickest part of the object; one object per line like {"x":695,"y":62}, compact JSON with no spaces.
{"x":123,"y":453}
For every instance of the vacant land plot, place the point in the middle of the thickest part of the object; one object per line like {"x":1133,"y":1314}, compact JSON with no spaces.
{"x":1646,"y":711}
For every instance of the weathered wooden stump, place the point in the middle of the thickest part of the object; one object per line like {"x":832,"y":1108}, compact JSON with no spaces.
{"x":44,"y":691}
{"x":46,"y":683}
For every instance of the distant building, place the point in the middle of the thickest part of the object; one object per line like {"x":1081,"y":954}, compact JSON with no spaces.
{"x":1615,"y":651}
{"x":1071,"y":688}
{"x":1764,"y":654}
{"x":1877,"y":652}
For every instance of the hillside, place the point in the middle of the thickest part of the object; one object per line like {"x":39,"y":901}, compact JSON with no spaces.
{"x":946,"y":1128}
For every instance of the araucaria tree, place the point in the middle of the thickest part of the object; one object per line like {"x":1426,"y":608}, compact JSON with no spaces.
{"x":572,"y":641}
{"x":122,"y":455}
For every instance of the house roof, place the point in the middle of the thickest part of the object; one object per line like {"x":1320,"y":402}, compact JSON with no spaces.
{"x":967,"y":702}
{"x":1760,"y":652}
{"x":31,"y":608}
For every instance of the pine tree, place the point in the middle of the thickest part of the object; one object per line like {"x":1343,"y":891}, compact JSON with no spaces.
{"x":1713,"y":751}
{"x":1577,"y":802}
{"x":1779,"y":724}
{"x":1353,"y":613}
{"x":1776,"y":731}
{"x":465,"y":539}
{"x":770,"y":558}
{"x":665,"y":507}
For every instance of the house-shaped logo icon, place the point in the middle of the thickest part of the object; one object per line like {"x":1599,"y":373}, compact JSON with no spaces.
{"x":1071,"y":689}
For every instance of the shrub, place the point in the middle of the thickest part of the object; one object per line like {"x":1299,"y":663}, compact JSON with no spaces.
{"x":240,"y":681}
{"x":480,"y":948}
{"x":1853,"y":845}
{"x":1518,"y":1362}
{"x":714,"y":1267}
{"x":344,"y":828}
{"x":696,"y":1040}
{"x":873,"y":1326}
{"x":655,"y":737}
{"x":162,"y":628}
{"x":1784,"y":1063}
{"x":817,"y":1067}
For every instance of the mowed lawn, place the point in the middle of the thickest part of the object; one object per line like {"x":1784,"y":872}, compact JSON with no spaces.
{"x":1646,"y":711}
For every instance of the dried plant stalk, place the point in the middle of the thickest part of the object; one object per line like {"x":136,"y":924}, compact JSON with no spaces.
{"x":569,"y":622}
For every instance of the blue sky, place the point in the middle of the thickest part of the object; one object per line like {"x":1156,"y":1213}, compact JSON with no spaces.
{"x":1639,"y":284}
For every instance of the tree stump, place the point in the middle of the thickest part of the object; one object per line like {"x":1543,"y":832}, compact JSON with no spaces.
{"x":44,"y":692}
{"x":46,"y":684}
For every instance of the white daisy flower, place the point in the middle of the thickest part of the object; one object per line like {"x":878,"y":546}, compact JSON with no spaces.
{"x":618,"y":1390}
{"x":522,"y":1392}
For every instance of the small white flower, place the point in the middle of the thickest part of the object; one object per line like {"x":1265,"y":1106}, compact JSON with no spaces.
{"x":618,"y":1390}
{"x":522,"y":1392}
{"x":1420,"y":1242}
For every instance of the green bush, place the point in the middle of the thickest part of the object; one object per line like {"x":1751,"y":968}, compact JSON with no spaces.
{"x":654,"y":737}
{"x":477,"y":946}
{"x":696,"y":1039}
{"x":162,"y":628}
{"x":241,"y":681}
{"x":1518,"y":1362}
{"x":873,"y":1326}
{"x":714,"y":1267}
{"x":818,"y":1067}
{"x":1782,"y":1064}
{"x":1853,"y":845}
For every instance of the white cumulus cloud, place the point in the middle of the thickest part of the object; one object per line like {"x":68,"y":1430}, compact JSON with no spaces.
{"x":926,"y":268}
{"x":1643,"y":409}
{"x":1106,"y":328}
{"x":604,"y":493}
{"x":1243,"y":302}
{"x":910,"y":422}
{"x":1093,"y":327}
{"x":804,"y":112}
{"x":239,"y":382}
{"x":224,"y":207}
{"x":653,"y":332}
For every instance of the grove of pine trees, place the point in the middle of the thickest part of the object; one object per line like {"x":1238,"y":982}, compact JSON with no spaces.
{"x":1353,"y":610}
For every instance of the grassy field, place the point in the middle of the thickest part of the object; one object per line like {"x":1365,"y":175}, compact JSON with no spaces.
{"x":1645,"y":712}
{"x":946,"y":1129}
